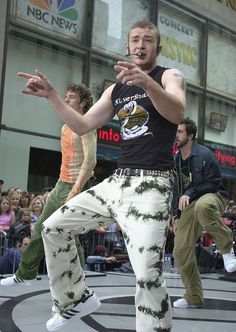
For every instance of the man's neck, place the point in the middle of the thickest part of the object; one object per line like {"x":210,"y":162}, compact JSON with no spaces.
{"x":148,"y":68}
{"x":186,"y":150}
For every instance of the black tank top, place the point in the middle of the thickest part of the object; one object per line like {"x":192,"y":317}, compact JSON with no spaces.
{"x":147,"y":137}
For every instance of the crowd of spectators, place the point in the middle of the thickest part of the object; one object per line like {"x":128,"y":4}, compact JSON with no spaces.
{"x":18,"y":208}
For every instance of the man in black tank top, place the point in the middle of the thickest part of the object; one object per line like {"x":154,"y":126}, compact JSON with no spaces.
{"x":150,"y":102}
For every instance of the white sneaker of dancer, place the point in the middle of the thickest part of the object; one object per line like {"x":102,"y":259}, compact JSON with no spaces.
{"x":82,"y":309}
{"x":182,"y":303}
{"x":230,"y":261}
{"x":15,"y":281}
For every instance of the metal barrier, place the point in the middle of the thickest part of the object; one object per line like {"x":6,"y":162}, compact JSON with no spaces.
{"x":112,"y":241}
{"x":92,"y":239}
{"x":4,"y":250}
{"x":3,"y":243}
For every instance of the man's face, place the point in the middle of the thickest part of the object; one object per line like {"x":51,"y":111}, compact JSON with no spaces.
{"x":25,"y":241}
{"x":181,"y":136}
{"x":73,"y":99}
{"x":144,"y":40}
{"x":24,"y":244}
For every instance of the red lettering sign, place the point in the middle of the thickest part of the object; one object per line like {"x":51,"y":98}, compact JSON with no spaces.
{"x":225,"y":158}
{"x":108,"y":135}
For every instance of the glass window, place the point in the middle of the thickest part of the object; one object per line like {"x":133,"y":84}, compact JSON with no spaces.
{"x":221,"y":62}
{"x":112,"y":20}
{"x":102,"y":75}
{"x":192,"y":106}
{"x":220,"y":121}
{"x":60,"y":65}
{"x":182,"y":39}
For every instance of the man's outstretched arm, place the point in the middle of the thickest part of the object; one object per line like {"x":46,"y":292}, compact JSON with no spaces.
{"x":98,"y":115}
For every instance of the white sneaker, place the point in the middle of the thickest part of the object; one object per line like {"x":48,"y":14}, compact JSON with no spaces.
{"x":15,"y":281}
{"x":182,"y":303}
{"x":230,"y":261}
{"x":82,"y":309}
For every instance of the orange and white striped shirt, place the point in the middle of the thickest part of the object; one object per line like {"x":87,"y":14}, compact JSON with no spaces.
{"x":78,"y":157}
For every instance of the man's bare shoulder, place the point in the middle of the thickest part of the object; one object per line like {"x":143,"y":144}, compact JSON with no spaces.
{"x":109,"y":90}
{"x":174,"y":75}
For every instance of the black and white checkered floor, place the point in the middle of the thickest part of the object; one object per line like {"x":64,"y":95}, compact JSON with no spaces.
{"x":27,"y":308}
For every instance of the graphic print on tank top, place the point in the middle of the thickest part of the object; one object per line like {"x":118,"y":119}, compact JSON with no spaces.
{"x":185,"y":173}
{"x":133,"y":119}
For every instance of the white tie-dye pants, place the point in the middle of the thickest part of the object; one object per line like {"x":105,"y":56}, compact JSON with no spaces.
{"x":140,"y":204}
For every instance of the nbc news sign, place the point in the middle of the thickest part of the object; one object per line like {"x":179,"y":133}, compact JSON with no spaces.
{"x":57,"y":16}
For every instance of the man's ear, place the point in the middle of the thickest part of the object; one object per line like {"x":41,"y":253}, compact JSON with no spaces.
{"x":83,"y":103}
{"x":190,"y":137}
{"x":159,"y":48}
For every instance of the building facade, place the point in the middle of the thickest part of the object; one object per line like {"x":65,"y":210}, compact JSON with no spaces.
{"x":80,"y":41}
